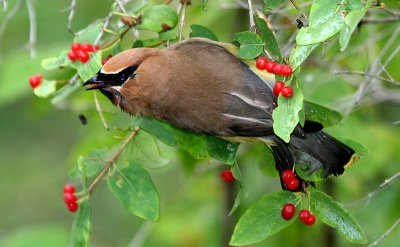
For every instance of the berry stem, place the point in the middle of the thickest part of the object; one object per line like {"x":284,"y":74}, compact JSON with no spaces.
{"x":112,"y":160}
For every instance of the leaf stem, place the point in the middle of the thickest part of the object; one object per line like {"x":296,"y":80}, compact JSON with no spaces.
{"x":112,"y":160}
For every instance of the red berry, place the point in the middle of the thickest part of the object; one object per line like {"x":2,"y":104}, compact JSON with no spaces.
{"x":69,"y":188}
{"x":72,"y":55}
{"x":83,"y":56}
{"x":72,"y":206}
{"x":287,"y":176}
{"x":278,"y":69}
{"x":35,"y":80}
{"x":288,"y":211}
{"x":75,"y":47}
{"x":278,"y":88}
{"x":86,"y":47}
{"x":70,"y":198}
{"x":304,"y":214}
{"x":261,"y":62}
{"x":269,"y":66}
{"x":310,"y":220}
{"x":287,"y":70}
{"x":287,"y":91}
{"x":292,"y":184}
{"x":96,"y":48}
{"x":227,"y":176}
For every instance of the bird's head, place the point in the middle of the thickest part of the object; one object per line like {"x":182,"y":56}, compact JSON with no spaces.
{"x":121,"y":75}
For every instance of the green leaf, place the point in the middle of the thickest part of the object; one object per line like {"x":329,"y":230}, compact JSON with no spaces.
{"x":202,"y":31}
{"x":134,"y":189}
{"x":271,"y":4}
{"x":351,"y":21}
{"x":271,"y":45}
{"x":159,"y":18}
{"x":286,"y":115}
{"x":45,"y":89}
{"x":325,"y":21}
{"x":91,"y":164}
{"x":251,"y":45}
{"x":56,"y":62}
{"x":169,"y":35}
{"x":89,"y":69}
{"x":358,"y":148}
{"x":263,"y":219}
{"x":199,"y":146}
{"x":332,"y":214}
{"x":90,"y":33}
{"x":321,"y":114}
{"x":144,"y":150}
{"x":237,"y":174}
{"x":82,"y":226}
{"x":299,"y":54}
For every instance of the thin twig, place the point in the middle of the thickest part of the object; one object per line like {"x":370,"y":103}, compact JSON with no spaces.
{"x":251,"y":17}
{"x":182,"y":8}
{"x":385,"y":234}
{"x":99,"y":111}
{"x":32,"y":28}
{"x":380,"y":21}
{"x":4,"y":2}
{"x":121,"y":6}
{"x":142,"y":234}
{"x":373,"y":193}
{"x":8,"y":17}
{"x":367,"y":75}
{"x":71,"y":15}
{"x":112,"y":160}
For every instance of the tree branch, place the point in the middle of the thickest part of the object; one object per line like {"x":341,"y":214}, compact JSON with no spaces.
{"x":251,"y":16}
{"x":380,"y":21}
{"x":71,"y":15}
{"x":8,"y":17}
{"x":367,"y":75}
{"x":112,"y":160}
{"x":385,"y":234}
{"x":32,"y":28}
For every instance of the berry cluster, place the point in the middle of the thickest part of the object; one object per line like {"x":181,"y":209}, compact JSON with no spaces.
{"x":288,"y":210}
{"x":35,"y":80}
{"x":227,"y":176}
{"x":273,"y":67}
{"x":69,"y":198}
{"x":81,"y":52}
{"x":277,"y":69}
{"x":280,"y":88}
{"x":289,"y":179}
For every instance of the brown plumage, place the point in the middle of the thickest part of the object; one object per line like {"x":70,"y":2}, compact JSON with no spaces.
{"x":201,"y":86}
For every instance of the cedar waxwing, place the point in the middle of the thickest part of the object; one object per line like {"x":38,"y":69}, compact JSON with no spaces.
{"x":200,"y":86}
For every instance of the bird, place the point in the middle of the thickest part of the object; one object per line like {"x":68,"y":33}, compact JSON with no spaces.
{"x":201,"y":86}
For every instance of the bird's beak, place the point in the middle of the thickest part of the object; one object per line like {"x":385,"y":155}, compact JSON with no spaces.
{"x":94,"y":83}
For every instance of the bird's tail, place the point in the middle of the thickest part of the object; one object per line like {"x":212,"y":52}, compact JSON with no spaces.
{"x":314,"y":153}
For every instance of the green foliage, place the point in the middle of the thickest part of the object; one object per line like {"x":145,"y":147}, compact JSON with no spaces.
{"x":89,"y":69}
{"x":286,"y":115}
{"x":134,"y":189}
{"x":332,"y":214}
{"x":201,"y":31}
{"x":56,"y":62}
{"x":82,"y":225}
{"x":271,"y":4}
{"x":91,"y":164}
{"x":299,"y":54}
{"x":263,"y":219}
{"x":45,"y":89}
{"x":320,"y":114}
{"x":271,"y":45}
{"x":159,"y":18}
{"x":251,"y":45}
{"x":199,"y":146}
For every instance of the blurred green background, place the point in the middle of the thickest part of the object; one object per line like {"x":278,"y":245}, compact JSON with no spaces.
{"x":39,"y":142}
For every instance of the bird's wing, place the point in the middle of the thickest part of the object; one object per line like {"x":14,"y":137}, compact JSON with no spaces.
{"x":240,"y":101}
